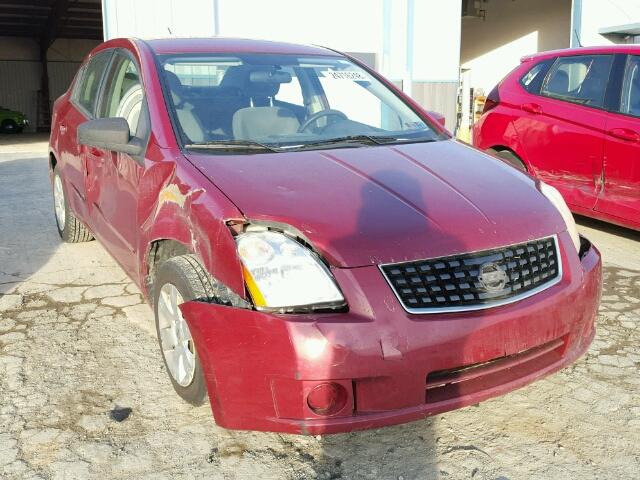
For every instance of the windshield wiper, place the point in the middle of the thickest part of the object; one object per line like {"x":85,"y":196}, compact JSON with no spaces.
{"x":355,"y":140}
{"x":232,"y":145}
{"x":347,"y":140}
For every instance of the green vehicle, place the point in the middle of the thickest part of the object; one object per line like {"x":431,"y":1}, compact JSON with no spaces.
{"x":12,"y":121}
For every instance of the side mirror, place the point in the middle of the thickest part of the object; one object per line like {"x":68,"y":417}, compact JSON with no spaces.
{"x":110,"y":134}
{"x":438,"y":117}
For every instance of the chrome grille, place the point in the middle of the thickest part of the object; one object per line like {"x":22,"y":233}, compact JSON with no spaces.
{"x":476,"y":280}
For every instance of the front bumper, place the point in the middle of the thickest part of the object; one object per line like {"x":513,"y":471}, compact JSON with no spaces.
{"x":396,"y":367}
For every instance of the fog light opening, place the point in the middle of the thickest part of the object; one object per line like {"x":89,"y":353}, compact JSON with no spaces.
{"x":327,"y":398}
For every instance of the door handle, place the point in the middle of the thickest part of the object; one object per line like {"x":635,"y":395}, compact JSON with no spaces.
{"x":625,"y":134}
{"x":532,"y":108}
{"x":62,"y":128}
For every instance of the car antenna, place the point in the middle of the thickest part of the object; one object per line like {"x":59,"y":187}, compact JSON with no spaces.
{"x":171,"y":34}
{"x":575,"y":31}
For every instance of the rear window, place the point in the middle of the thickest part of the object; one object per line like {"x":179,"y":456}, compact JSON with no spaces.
{"x":580,"y":79}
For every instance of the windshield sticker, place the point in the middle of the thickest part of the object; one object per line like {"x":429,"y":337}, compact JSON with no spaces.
{"x":346,"y":75}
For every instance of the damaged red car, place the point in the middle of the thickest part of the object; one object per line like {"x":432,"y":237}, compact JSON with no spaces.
{"x":320,"y":254}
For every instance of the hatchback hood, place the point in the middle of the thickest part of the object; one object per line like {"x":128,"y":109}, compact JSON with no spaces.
{"x":382,"y":204}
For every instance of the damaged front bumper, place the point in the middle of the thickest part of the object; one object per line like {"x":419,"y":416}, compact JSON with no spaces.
{"x":263,"y":371}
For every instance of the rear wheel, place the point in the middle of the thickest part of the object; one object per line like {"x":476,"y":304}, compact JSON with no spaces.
{"x":70,"y":229}
{"x":510,"y":157}
{"x":9,"y":126}
{"x":181,"y":279}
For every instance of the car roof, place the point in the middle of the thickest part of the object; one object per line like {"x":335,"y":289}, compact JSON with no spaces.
{"x":164,"y":46}
{"x":599,"y":50}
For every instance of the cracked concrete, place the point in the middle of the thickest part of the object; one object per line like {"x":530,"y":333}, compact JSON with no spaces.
{"x":77,"y":341}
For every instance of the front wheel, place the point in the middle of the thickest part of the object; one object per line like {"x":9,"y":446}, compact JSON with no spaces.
{"x":181,"y":279}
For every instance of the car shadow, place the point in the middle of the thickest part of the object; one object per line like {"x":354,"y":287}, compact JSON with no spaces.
{"x":409,"y":450}
{"x":28,"y":237}
{"x":608,"y":228}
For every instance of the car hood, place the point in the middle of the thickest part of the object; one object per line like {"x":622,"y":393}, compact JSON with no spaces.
{"x":382,"y":204}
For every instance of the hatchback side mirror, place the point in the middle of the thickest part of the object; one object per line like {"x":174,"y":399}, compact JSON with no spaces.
{"x":110,"y":134}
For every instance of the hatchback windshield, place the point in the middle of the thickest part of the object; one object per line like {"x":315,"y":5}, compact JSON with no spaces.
{"x":284,"y":102}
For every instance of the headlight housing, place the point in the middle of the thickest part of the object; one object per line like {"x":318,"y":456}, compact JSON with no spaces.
{"x":282,"y":274}
{"x":555,"y":197}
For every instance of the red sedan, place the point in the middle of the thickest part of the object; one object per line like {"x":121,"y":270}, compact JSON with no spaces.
{"x":320,"y":255}
{"x":571,"y":119}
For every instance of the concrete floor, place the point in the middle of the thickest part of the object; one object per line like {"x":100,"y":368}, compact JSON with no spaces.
{"x":76,"y":342}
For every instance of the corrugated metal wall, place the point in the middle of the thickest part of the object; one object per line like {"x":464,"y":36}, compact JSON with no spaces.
{"x":20,"y":82}
{"x":19,"y":85}
{"x":438,"y":97}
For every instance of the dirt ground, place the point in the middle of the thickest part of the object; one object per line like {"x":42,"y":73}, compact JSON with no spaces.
{"x":84,"y":394}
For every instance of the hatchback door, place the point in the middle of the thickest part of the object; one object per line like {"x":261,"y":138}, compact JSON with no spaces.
{"x":113,"y":177}
{"x":621,"y":193}
{"x":562,"y":127}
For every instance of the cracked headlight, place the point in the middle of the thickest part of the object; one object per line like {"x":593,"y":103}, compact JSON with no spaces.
{"x":555,"y":197}
{"x":281,"y":273}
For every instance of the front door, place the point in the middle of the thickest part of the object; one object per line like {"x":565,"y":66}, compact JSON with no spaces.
{"x":112,"y":178}
{"x":621,"y":194}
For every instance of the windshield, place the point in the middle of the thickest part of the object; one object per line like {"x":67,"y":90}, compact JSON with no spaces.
{"x":284,"y":102}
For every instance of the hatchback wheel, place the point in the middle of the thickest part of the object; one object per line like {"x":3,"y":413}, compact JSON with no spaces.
{"x":180,"y":279}
{"x":510,"y":157}
{"x":70,"y":229}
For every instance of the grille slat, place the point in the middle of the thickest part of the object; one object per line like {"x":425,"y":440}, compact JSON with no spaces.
{"x":472,"y":280}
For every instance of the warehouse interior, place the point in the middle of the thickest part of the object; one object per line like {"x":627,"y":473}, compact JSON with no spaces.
{"x":42,"y":43}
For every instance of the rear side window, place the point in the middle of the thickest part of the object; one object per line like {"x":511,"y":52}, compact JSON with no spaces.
{"x":630,"y":99}
{"x":532,"y":80}
{"x":88,"y":88}
{"x":580,"y":79}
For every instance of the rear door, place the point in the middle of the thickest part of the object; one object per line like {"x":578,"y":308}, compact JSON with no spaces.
{"x":82,"y":108}
{"x":621,"y":194}
{"x":562,"y":127}
{"x":112,"y":179}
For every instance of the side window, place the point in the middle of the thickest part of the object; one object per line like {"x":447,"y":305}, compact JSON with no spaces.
{"x":123,"y":93}
{"x":630,"y":100}
{"x":580,"y":79}
{"x":532,"y":80}
{"x":88,"y":87}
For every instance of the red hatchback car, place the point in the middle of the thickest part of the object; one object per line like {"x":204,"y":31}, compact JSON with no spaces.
{"x":320,"y":255}
{"x":571,"y":119}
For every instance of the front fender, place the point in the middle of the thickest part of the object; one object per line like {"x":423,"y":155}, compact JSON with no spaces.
{"x":178,"y":203}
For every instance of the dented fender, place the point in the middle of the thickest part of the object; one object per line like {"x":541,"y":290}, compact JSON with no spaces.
{"x":177,"y":203}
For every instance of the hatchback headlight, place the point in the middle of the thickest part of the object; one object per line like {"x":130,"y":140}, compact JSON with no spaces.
{"x":555,"y":197}
{"x":281,"y":273}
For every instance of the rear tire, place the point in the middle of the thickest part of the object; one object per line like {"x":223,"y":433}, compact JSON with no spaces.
{"x":181,"y":279}
{"x":509,"y":157}
{"x":70,"y":229}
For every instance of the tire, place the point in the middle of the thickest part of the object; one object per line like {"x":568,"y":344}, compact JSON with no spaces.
{"x":185,"y":274}
{"x":9,"y":126}
{"x":70,"y":229}
{"x":509,"y":157}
